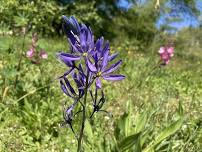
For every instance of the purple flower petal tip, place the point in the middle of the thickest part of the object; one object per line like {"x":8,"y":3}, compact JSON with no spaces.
{"x":114,"y":77}
{"x":68,"y":57}
{"x":112,"y":68}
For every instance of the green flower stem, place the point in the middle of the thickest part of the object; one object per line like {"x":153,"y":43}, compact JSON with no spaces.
{"x":79,"y":148}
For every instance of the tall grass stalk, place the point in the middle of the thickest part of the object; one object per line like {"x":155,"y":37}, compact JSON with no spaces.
{"x":21,"y":57}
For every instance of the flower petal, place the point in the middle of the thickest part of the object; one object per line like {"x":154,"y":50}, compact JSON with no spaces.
{"x":75,"y":23}
{"x":64,"y":89}
{"x":170,"y":51}
{"x":90,"y":38}
{"x":43,"y":54}
{"x":112,"y":68}
{"x":105,"y":59}
{"x":112,"y":57}
{"x":66,"y":57}
{"x":69,"y":86}
{"x":69,"y":33}
{"x":83,"y":40}
{"x":71,"y":24}
{"x":98,"y":83}
{"x":99,"y":43}
{"x":30,"y":53}
{"x":106,"y":48}
{"x":162,"y":50}
{"x":114,"y":77}
{"x":91,"y":66}
{"x":73,"y":47}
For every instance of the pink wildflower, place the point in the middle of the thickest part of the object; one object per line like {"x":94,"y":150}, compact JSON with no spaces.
{"x":166,"y":53}
{"x":30,"y":53}
{"x":43,"y":54}
{"x":170,"y":51}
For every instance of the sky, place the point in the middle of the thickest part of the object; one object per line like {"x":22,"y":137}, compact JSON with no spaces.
{"x":124,"y":4}
{"x":186,"y":22}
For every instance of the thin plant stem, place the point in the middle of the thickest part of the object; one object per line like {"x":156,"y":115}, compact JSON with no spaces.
{"x":20,"y":60}
{"x":31,"y":92}
{"x":149,"y":74}
{"x":147,"y":77}
{"x":79,"y":148}
{"x":92,"y":114}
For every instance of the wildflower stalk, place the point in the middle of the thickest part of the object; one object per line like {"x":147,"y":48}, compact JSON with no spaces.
{"x":79,"y":148}
{"x":149,"y":74}
{"x":20,"y":60}
{"x":95,"y":56}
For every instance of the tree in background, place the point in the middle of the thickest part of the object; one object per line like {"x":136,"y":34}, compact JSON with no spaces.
{"x":175,"y":12}
{"x":106,"y":18}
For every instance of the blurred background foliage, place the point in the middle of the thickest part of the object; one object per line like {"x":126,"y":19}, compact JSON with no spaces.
{"x":106,"y":17}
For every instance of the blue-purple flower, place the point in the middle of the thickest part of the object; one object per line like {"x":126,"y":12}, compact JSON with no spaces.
{"x":80,"y":38}
{"x":96,"y":56}
{"x":67,"y":88}
{"x":68,"y":116}
{"x":88,"y":63}
{"x":100,"y":67}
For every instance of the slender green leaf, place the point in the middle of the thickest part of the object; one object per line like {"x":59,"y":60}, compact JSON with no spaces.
{"x":169,"y":130}
{"x":180,"y":108}
{"x":129,"y":141}
{"x":120,"y":131}
{"x":137,"y":146}
{"x":141,"y":121}
{"x":128,"y":121}
{"x":165,"y":133}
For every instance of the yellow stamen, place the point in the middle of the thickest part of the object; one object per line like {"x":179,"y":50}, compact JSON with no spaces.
{"x":85,"y":54}
{"x":99,"y":74}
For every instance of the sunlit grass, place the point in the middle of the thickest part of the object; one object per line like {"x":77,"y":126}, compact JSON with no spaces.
{"x":32,"y":123}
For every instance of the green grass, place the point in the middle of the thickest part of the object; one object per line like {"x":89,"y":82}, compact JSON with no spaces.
{"x":32,"y":123}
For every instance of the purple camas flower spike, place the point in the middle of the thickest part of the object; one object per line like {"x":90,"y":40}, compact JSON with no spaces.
{"x":96,"y":57}
{"x":88,"y":63}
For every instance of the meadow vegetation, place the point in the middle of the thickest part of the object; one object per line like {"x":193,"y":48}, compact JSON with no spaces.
{"x":155,"y":108}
